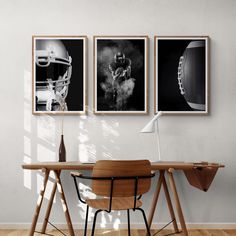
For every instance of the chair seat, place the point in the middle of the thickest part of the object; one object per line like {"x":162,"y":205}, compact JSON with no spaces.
{"x":118,"y":203}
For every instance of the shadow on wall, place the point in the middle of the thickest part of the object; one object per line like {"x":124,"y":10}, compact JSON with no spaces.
{"x":113,"y":218}
{"x":41,"y":142}
{"x":105,"y":138}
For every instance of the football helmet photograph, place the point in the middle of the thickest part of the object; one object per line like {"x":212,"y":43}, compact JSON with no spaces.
{"x":53,"y":72}
{"x":59,"y":74}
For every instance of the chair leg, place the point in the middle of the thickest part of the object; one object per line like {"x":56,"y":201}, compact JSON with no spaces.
{"x":145,"y":220}
{"x":128,"y":217}
{"x":94,"y":221}
{"x":86,"y":221}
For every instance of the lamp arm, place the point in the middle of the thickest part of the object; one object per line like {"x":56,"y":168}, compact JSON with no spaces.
{"x":156,"y":117}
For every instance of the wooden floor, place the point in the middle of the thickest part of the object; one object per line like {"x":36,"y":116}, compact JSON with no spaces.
{"x":124,"y":233}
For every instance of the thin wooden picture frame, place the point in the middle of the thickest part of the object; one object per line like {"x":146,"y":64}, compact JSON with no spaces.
{"x":169,"y":49}
{"x":134,"y":50}
{"x":66,"y":82}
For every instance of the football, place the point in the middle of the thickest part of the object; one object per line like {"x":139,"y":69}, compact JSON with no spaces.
{"x":192,"y":75}
{"x":119,"y":71}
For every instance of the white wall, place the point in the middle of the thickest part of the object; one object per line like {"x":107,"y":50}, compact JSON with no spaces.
{"x":24,"y":137}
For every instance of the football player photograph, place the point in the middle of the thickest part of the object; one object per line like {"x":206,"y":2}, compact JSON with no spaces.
{"x":122,"y":83}
{"x":59,"y":74}
{"x":181,"y":75}
{"x":120,"y":75}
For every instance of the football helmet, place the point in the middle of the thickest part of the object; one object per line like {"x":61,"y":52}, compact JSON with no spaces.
{"x":53,"y":72}
{"x":119,"y":57}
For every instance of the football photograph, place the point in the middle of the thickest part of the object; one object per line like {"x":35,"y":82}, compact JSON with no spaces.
{"x":59,"y":70}
{"x":181,"y":75}
{"x":120,"y":74}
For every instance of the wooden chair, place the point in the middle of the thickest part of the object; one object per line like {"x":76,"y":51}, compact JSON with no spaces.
{"x":119,"y":185}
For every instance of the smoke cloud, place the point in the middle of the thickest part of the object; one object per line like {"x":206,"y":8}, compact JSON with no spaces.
{"x":117,"y":93}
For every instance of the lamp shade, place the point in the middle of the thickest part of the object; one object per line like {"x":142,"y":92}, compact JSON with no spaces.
{"x":150,"y":126}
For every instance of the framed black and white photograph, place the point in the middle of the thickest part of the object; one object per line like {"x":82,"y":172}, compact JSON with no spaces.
{"x":120,"y":74}
{"x":59,"y":75}
{"x":181,"y":74}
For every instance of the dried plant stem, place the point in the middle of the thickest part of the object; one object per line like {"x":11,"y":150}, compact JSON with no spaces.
{"x":62,"y":120}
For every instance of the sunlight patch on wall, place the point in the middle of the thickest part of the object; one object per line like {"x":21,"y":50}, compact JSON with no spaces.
{"x":82,"y":210}
{"x":83,"y":138}
{"x":108,"y":130}
{"x":83,"y":153}
{"x":85,"y":192}
{"x":49,"y":187}
{"x":27,"y":146}
{"x":27,"y":117}
{"x":39,"y":182}
{"x":106,"y":155}
{"x":116,"y":224}
{"x":45,"y":154}
{"x":46,"y":128}
{"x":110,"y":217}
{"x":27,"y":173}
{"x":27,"y":85}
{"x":103,"y":220}
{"x":87,"y":152}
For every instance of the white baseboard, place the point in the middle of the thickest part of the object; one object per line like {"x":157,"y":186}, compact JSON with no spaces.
{"x":123,"y":226}
{"x":211,"y":225}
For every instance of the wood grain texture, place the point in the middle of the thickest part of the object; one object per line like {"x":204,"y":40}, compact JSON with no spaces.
{"x":118,"y":203}
{"x":134,"y":232}
{"x":177,"y":203}
{"x":39,"y":202}
{"x":75,"y":165}
{"x":201,"y":178}
{"x":155,"y":197}
{"x":63,"y":202}
{"x":121,"y":188}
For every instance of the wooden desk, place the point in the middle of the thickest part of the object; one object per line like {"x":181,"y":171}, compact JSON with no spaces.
{"x":200,"y":175}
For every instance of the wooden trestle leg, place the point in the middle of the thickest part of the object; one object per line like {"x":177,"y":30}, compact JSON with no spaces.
{"x":155,"y":198}
{"x":39,"y":202}
{"x":177,"y":202}
{"x":46,"y":218}
{"x":64,"y":204}
{"x":171,"y":210}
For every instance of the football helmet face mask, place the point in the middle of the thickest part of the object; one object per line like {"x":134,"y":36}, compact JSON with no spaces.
{"x":119,"y":57}
{"x":53,"y":73}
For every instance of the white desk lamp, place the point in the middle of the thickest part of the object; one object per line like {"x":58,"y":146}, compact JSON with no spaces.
{"x":151,"y":127}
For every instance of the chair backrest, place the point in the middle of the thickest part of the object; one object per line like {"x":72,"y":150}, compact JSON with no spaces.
{"x":121,"y":187}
